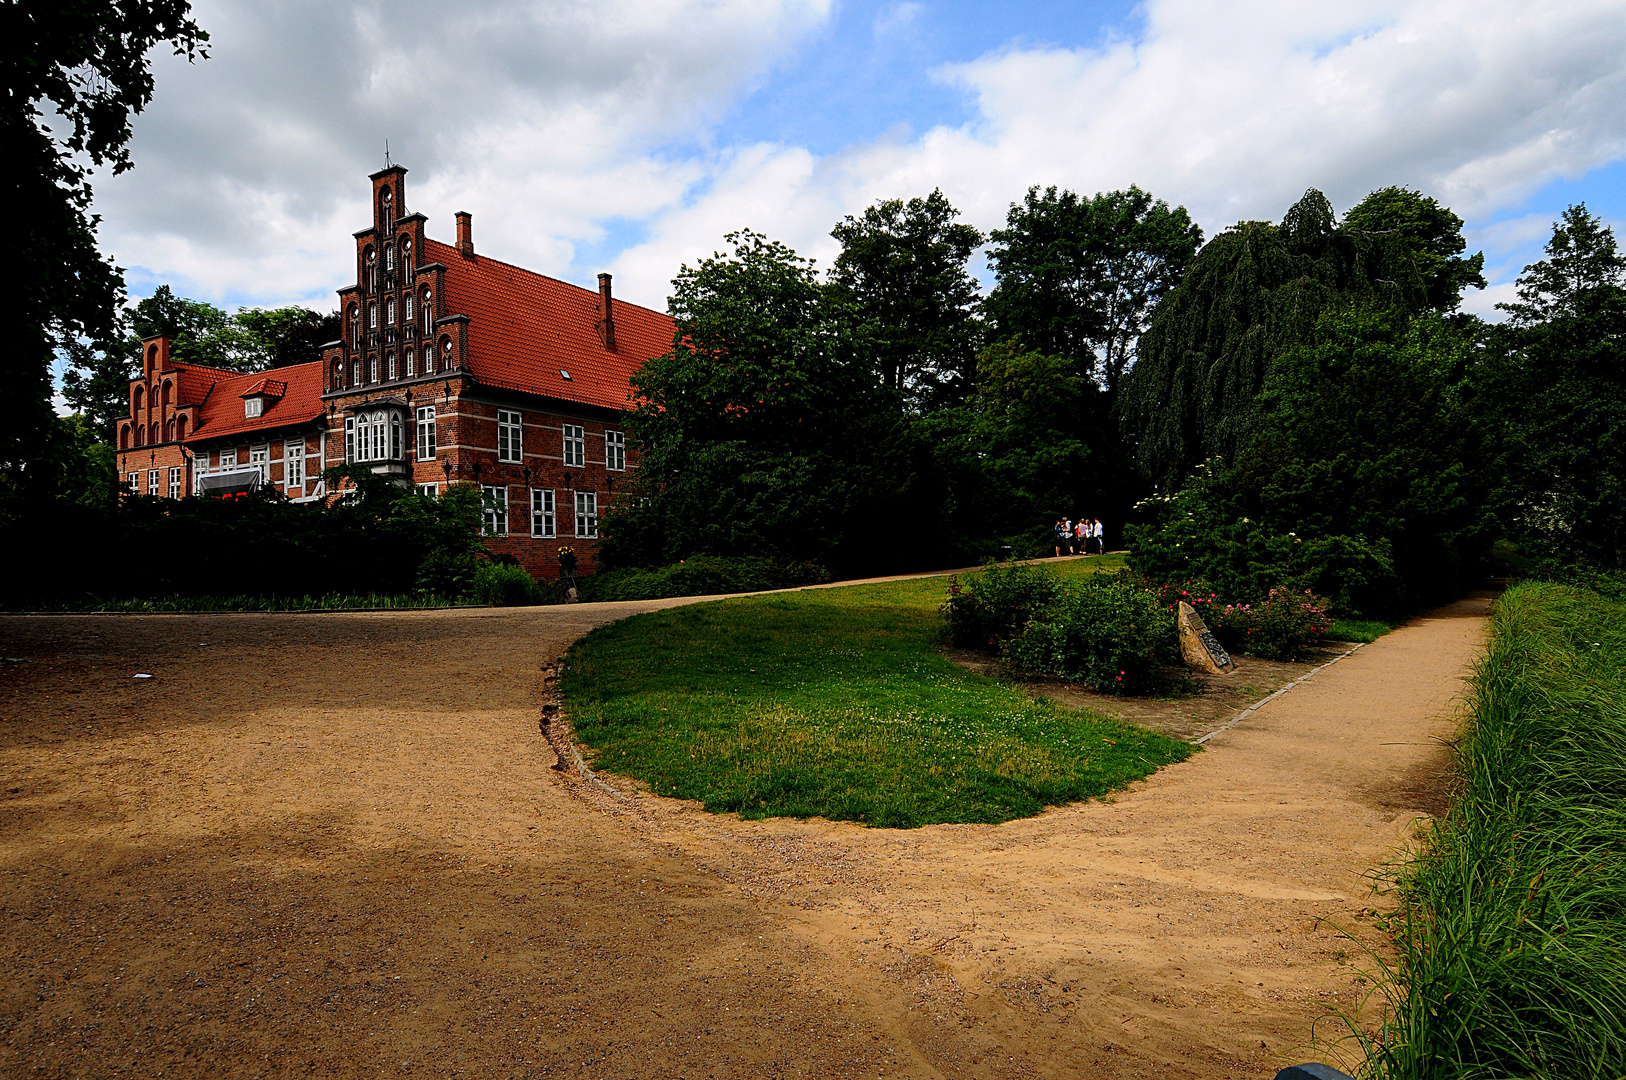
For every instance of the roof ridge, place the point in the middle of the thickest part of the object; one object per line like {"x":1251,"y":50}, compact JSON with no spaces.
{"x":545,"y":277}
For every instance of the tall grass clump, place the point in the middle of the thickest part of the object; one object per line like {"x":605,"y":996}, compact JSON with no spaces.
{"x":1512,"y":949}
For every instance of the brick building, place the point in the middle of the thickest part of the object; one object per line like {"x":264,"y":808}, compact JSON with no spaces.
{"x":452,"y":368}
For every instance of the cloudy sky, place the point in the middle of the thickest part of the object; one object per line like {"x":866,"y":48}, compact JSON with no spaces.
{"x":630,"y":136}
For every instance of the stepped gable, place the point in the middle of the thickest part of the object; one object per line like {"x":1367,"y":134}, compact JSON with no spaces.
{"x":525,"y":328}
{"x":222,"y":411}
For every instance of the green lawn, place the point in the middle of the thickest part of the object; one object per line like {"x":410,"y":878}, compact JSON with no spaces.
{"x":1362,"y":630}
{"x":835,"y":702}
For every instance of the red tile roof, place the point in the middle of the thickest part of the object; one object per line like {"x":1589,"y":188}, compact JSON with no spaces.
{"x":525,"y":328}
{"x":266,"y":388}
{"x":196,"y":382}
{"x":222,"y":411}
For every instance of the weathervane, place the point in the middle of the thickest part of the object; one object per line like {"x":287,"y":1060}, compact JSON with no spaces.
{"x":387,"y":162}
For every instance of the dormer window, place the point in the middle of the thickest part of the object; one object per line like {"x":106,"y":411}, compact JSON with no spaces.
{"x":253,"y":407}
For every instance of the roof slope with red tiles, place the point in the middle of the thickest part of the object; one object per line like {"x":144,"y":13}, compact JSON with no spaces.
{"x":525,"y":328}
{"x":196,"y":381}
{"x":222,"y":411}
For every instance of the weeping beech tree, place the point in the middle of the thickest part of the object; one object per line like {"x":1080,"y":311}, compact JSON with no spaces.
{"x":1253,"y":291}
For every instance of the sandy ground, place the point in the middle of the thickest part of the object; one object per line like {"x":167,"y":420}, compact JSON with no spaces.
{"x":334,"y":845}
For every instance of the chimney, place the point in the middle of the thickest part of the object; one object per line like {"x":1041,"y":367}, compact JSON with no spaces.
{"x":465,"y":234}
{"x":607,"y":324}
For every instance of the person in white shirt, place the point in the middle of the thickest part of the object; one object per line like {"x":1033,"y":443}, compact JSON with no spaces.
{"x":1100,"y":538}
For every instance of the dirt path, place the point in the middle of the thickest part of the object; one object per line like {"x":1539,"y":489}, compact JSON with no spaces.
{"x":324,"y":845}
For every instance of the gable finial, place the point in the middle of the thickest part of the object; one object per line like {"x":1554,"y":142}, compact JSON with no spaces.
{"x":387,"y":162}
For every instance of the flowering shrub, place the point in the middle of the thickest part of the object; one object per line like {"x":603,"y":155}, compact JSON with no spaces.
{"x":996,"y":604}
{"x":1284,"y":626}
{"x":1101,"y":631}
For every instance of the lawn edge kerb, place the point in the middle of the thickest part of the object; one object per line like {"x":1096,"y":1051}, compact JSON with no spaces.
{"x":854,"y":714}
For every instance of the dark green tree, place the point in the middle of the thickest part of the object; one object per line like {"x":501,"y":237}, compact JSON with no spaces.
{"x":1253,"y":292}
{"x":1079,"y":277}
{"x":1034,"y":443}
{"x":1581,"y":257}
{"x":903,"y":269}
{"x":1371,"y":480}
{"x":1432,"y":233}
{"x":1557,"y":387}
{"x":74,"y":72}
{"x":765,"y":431}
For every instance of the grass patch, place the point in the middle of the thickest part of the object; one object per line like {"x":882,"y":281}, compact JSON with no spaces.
{"x":1512,"y":951}
{"x":836,"y":703}
{"x":199,"y":604}
{"x":1361,"y":630}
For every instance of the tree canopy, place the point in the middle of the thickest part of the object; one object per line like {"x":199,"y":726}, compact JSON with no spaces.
{"x":766,"y":431}
{"x":1556,"y":386}
{"x":1582,"y":257}
{"x":75,"y":72}
{"x":902,"y":268}
{"x":1432,"y":233}
{"x":1078,"y":277}
{"x":1253,"y":292}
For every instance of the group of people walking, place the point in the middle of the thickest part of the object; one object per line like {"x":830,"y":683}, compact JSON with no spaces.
{"x":1083,"y":537}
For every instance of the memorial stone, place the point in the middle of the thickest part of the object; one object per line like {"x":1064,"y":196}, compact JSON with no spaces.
{"x":1199,"y":646}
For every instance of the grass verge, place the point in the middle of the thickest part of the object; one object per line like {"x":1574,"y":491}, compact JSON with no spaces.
{"x":1361,"y":630}
{"x":1512,"y":953}
{"x":836,"y":703}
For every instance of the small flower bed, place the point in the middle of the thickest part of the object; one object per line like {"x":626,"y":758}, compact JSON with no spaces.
{"x":1284,"y":626}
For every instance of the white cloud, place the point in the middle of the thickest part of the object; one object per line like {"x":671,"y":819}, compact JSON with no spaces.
{"x":1233,"y":111}
{"x":542,"y":118}
{"x":548,"y":121}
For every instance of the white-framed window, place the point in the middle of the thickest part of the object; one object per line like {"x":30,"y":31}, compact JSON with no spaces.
{"x":586,"y":514}
{"x":260,"y":458}
{"x":355,"y":373}
{"x":409,"y":365}
{"x":426,"y":433}
{"x":428,"y":360}
{"x":392,"y":366}
{"x":372,"y":316}
{"x":389,"y":308}
{"x":510,"y":433}
{"x":615,"y":451}
{"x":429,"y":491}
{"x":372,"y":369}
{"x":575,"y":445}
{"x":253,"y":407}
{"x":428,"y":314}
{"x":228,"y":458}
{"x":494,"y":503}
{"x":446,"y":355}
{"x":406,"y":311}
{"x":152,"y":481}
{"x":293,"y":464}
{"x":135,"y":483}
{"x":389,"y":252}
{"x":175,"y":481}
{"x":395,"y":436}
{"x":350,"y":439}
{"x":542,"y":523}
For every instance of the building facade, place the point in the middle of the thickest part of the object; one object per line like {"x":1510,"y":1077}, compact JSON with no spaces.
{"x":451,"y":368}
